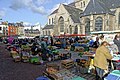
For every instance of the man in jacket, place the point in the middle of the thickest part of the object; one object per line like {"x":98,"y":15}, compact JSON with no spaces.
{"x":100,"y":59}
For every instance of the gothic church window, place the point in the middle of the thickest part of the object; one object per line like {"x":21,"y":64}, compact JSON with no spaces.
{"x":87,"y":26}
{"x":98,"y":24}
{"x":46,"y":32}
{"x":76,"y":30}
{"x":70,"y":29}
{"x":61,"y":24}
{"x":119,"y":18}
{"x":49,"y":32}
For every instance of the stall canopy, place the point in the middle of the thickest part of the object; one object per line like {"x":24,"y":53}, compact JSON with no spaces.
{"x":106,"y":32}
{"x":69,"y":35}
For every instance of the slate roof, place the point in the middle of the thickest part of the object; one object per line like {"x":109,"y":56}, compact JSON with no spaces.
{"x":72,"y":4}
{"x":48,"y":27}
{"x":55,"y":11}
{"x":74,"y":13}
{"x":97,"y":7}
{"x":111,"y":3}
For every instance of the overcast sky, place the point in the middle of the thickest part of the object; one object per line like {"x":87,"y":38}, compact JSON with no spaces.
{"x":29,"y":11}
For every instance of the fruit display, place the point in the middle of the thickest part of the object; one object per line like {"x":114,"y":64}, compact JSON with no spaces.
{"x":17,"y":58}
{"x":50,"y":47}
{"x":34,"y":60}
{"x":14,"y":53}
{"x":57,"y":43}
{"x":55,"y":52}
{"x":51,"y":70}
{"x":25,"y":47}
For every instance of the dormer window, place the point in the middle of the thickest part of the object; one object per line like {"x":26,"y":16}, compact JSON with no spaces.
{"x":81,"y":4}
{"x":84,"y":3}
{"x":49,"y":21}
{"x":52,"y":20}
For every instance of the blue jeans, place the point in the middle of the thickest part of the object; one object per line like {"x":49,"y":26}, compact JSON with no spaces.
{"x":100,"y":72}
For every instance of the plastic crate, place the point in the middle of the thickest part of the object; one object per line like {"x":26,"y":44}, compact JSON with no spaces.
{"x":78,"y":78}
{"x":42,"y":78}
{"x":114,"y":75}
{"x":34,"y":60}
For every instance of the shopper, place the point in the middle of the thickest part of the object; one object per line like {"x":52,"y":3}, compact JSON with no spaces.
{"x":44,"y":49}
{"x":100,"y":59}
{"x":101,"y":39}
{"x":96,"y":43}
{"x":117,"y":42}
{"x":34,"y":49}
{"x":91,"y":42}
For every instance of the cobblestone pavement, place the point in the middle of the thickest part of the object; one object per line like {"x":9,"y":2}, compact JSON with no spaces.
{"x":9,"y":70}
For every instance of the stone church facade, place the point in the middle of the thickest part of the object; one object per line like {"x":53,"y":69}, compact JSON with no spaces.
{"x":85,"y":16}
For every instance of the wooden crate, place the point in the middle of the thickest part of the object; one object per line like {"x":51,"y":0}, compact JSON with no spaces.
{"x":17,"y":58}
{"x":51,"y":70}
{"x":53,"y":65}
{"x":67,"y":63}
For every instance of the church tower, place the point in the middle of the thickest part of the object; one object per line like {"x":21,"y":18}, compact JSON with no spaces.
{"x":81,"y":4}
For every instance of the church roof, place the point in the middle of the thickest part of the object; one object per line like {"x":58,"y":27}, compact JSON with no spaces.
{"x":48,"y":27}
{"x":55,"y":11}
{"x":74,"y":13}
{"x":72,"y":4}
{"x":97,"y":7}
{"x":111,"y":3}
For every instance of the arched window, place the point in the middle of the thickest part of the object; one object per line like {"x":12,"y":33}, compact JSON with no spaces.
{"x":81,"y":4}
{"x":49,"y":32}
{"x":84,"y":3}
{"x":46,"y":32}
{"x":61,"y":24}
{"x":67,"y":31}
{"x":43,"y":33}
{"x":98,"y":24}
{"x":70,"y":29}
{"x":76,"y":30}
{"x":119,"y":18}
{"x":87,"y":26}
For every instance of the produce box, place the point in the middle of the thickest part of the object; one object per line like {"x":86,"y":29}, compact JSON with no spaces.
{"x":67,"y":63}
{"x":53,"y":65}
{"x":78,"y":78}
{"x":51,"y":70}
{"x":25,"y":47}
{"x":17,"y":58}
{"x":14,"y":53}
{"x":34,"y":60}
{"x":55,"y":52}
{"x":42,"y":78}
{"x":114,"y":75}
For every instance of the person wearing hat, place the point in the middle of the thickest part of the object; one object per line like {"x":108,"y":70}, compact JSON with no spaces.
{"x":100,"y":59}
